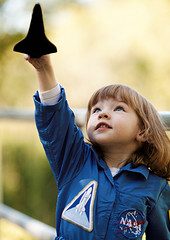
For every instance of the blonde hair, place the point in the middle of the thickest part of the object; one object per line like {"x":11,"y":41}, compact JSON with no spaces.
{"x":155,"y":151}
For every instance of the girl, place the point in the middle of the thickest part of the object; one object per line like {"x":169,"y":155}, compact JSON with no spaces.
{"x":114,"y":187}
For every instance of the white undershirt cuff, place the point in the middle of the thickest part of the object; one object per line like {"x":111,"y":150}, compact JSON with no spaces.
{"x":51,"y":96}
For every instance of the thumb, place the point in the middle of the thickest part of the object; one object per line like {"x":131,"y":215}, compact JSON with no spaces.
{"x":27,"y":57}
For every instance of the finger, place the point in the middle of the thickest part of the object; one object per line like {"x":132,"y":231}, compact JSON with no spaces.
{"x":27,"y":57}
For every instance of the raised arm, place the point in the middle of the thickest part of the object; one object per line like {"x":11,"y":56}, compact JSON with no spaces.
{"x":62,"y":140}
{"x":45,"y":72}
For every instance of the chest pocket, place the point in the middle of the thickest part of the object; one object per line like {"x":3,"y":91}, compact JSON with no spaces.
{"x":128,"y":219}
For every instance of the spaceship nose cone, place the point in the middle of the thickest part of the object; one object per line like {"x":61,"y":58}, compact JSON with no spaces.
{"x":35,"y":44}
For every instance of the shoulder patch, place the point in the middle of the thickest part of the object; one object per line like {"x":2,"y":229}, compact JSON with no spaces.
{"x":131,"y":223}
{"x":80,"y":210}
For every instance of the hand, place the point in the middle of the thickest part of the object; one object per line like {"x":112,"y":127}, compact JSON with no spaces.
{"x":40,"y":64}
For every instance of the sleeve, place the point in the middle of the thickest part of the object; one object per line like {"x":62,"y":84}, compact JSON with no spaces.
{"x":62,"y":140}
{"x":159,"y":222}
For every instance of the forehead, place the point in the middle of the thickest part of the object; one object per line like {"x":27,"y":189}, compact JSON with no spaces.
{"x":109,"y":100}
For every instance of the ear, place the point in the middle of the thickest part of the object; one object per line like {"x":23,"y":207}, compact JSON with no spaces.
{"x":141,"y":136}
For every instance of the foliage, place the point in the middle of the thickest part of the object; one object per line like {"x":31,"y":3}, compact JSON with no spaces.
{"x":1,"y":3}
{"x":7,"y":40}
{"x":104,"y":42}
{"x":28,"y":182}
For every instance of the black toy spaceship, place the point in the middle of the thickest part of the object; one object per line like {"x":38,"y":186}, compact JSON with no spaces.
{"x":36,"y":44}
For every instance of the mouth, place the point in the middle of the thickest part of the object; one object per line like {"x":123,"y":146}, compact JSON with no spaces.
{"x":103,"y":125}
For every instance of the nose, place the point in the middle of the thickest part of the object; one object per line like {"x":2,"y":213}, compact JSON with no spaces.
{"x":105,"y":115}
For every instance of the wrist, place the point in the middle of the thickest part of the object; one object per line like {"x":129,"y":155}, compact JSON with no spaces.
{"x":43,"y":67}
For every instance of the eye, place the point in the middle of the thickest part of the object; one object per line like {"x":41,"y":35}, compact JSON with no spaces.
{"x":119,"y":108}
{"x":95,"y":110}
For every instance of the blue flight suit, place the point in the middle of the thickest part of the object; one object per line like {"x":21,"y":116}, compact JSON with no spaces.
{"x":93,"y":205}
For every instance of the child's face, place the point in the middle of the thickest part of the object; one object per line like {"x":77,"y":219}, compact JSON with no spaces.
{"x":113,"y":123}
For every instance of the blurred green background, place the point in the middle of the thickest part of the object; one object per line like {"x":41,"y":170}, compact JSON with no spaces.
{"x":99,"y":42}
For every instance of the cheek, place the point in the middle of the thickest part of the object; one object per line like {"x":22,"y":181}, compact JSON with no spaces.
{"x":90,"y":124}
{"x":89,"y":129}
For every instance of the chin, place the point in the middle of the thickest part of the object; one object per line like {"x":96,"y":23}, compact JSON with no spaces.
{"x":102,"y":142}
